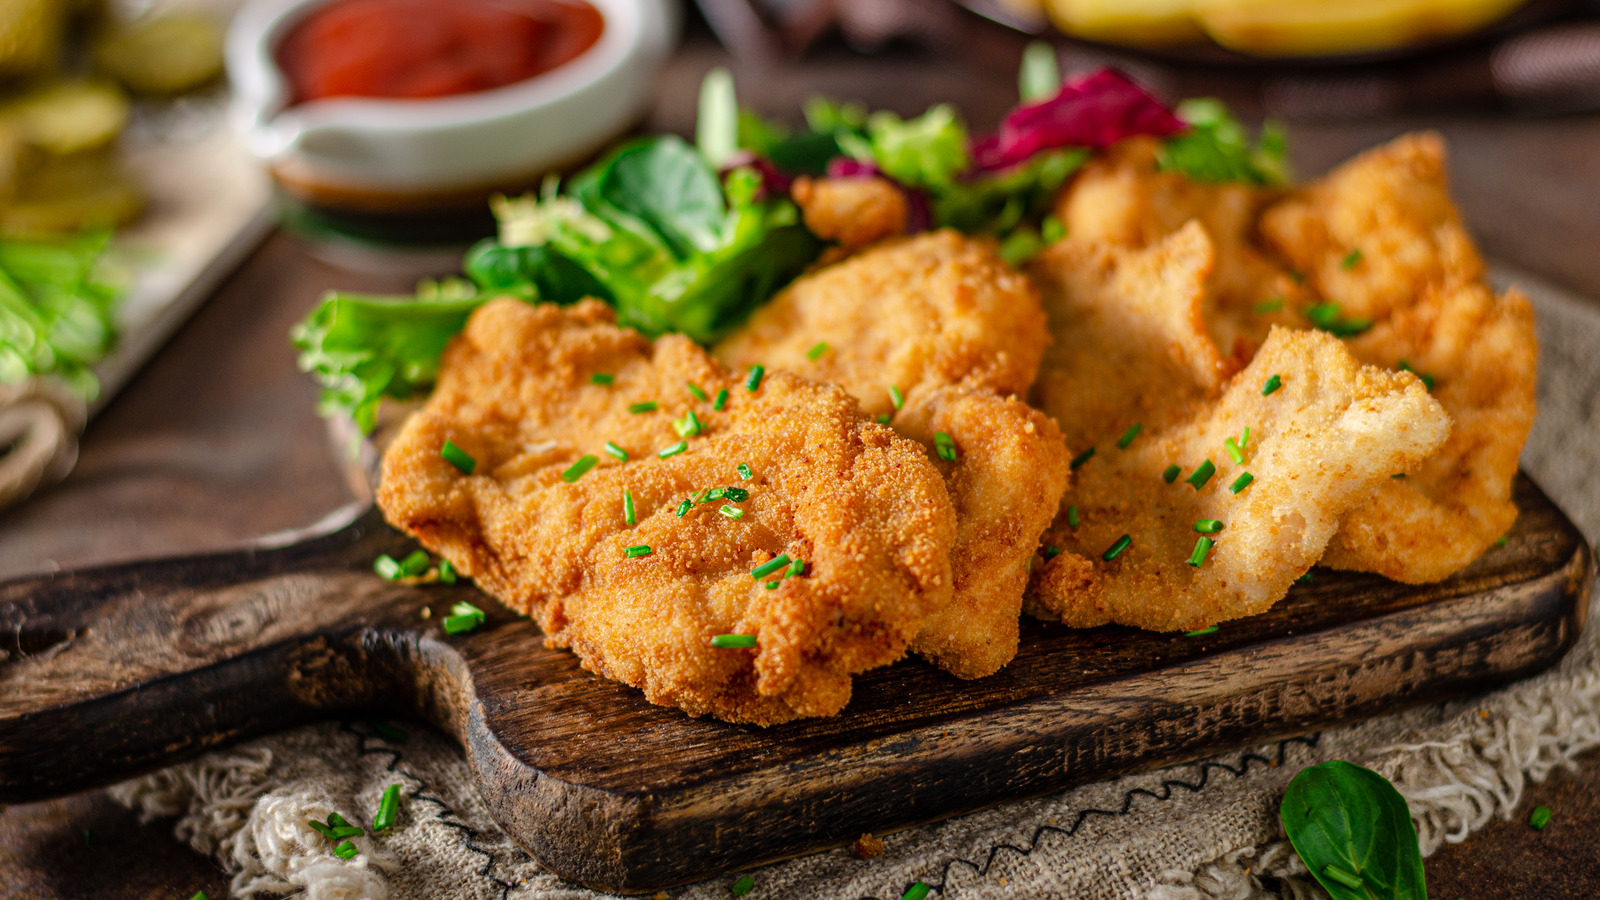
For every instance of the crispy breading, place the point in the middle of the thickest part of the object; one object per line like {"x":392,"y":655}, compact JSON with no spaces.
{"x":937,"y":308}
{"x":1129,"y":342}
{"x":861,"y":505}
{"x":1481,"y":352}
{"x":854,"y":212}
{"x":1319,"y":446}
{"x":1006,"y":484}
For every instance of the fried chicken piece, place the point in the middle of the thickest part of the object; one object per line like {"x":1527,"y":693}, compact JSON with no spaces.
{"x":1129,"y":342}
{"x":859,"y":504}
{"x":854,"y":212}
{"x":1319,"y":445}
{"x":937,"y":308}
{"x":1006,"y":484}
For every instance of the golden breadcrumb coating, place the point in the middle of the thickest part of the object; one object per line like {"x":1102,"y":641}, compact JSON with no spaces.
{"x":861,"y":505}
{"x":937,"y":308}
{"x":1319,"y":445}
{"x":1006,"y":483}
{"x":854,"y":212}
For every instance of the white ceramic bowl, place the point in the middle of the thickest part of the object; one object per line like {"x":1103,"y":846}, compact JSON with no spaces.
{"x":380,"y":154}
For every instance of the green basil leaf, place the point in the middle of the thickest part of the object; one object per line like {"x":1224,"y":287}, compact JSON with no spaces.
{"x":667,"y":186}
{"x":1354,"y":832}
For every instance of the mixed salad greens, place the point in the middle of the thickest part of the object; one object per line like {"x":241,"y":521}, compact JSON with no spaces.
{"x":57,"y":310}
{"x":692,"y":239}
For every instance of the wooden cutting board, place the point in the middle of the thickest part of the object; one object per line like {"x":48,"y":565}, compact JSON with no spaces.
{"x":106,"y":673}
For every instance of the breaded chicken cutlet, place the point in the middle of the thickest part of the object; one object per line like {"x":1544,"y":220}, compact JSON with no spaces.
{"x":636,"y":563}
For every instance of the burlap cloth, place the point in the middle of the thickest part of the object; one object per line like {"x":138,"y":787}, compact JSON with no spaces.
{"x":1205,"y":830}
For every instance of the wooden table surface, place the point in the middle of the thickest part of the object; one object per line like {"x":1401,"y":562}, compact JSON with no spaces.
{"x":217,"y":441}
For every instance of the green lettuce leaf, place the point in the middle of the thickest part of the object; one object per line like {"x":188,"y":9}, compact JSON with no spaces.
{"x":1217,"y":148}
{"x":929,"y":151}
{"x":57,"y":310}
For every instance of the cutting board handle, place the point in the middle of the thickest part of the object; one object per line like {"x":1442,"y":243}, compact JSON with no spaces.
{"x":113,"y":671}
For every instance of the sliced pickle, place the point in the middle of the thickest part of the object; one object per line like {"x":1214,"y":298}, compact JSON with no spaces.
{"x":165,"y":55}
{"x":69,"y":116}
{"x":31,"y":33}
{"x":65,"y":194}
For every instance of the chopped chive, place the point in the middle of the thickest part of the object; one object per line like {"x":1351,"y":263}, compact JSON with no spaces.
{"x":198,"y":895}
{"x":627,"y":506}
{"x":712,"y":494}
{"x":1271,"y":305}
{"x":674,"y":450}
{"x":460,"y":624}
{"x":1129,"y":435}
{"x":388,"y":808}
{"x":1242,"y":482}
{"x":1234,"y":453}
{"x":1201,"y":632}
{"x":458,"y":457}
{"x":447,"y":572}
{"x":616,"y":451}
{"x":721,"y":401}
{"x":1171,"y":473}
{"x":896,"y":397}
{"x":745,"y":473}
{"x":815,"y":353}
{"x":1272,"y":385}
{"x":415,"y":563}
{"x":683,"y":508}
{"x":1051,"y":551}
{"x":1502,"y":540}
{"x":1540,"y":818}
{"x":884,"y":419}
{"x":917,"y":891}
{"x":770,"y":566}
{"x":1201,"y":475}
{"x":754,"y":381}
{"x":1323,"y":315}
{"x":688,"y":426}
{"x":697,"y":392}
{"x":346,"y":850}
{"x":577,"y":469}
{"x":1115,"y":550}
{"x":1334,"y":873}
{"x":771,"y":585}
{"x":1083,"y":457}
{"x":1427,"y":380}
{"x":643,"y":406}
{"x":945,"y":445}
{"x":320,"y":828}
{"x":602,"y":378}
{"x":463,"y":608}
{"x":336,"y":821}
{"x":701,"y":497}
{"x":1398,"y":475}
{"x":386,"y":567}
{"x":1208,"y":526}
{"x":1306,"y":578}
{"x":1350,"y":259}
{"x":348,"y":831}
{"x":1244,"y":439}
{"x":732,"y":512}
{"x":390,"y":733}
{"x":639,"y":550}
{"x":1201,"y":548}
{"x":737,"y":495}
{"x":1072,"y":517}
{"x":798,"y":567}
{"x":727,"y":641}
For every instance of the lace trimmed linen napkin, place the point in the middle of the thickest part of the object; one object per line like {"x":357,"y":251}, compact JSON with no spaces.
{"x":1203,"y":831}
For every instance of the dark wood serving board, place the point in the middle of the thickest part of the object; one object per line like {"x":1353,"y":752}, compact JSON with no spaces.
{"x":109,"y":672}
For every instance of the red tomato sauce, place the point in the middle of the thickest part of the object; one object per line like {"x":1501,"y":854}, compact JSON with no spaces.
{"x":414,"y":49}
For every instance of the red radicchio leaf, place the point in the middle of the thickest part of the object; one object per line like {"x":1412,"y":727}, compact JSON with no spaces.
{"x":919,"y":214}
{"x":1094,"y":111}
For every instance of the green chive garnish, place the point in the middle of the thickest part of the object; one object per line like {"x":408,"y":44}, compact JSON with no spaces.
{"x":616,"y":451}
{"x":447,"y":572}
{"x":945,"y":445}
{"x":337,"y":821}
{"x":346,"y":850}
{"x":917,"y":891}
{"x":460,"y":624}
{"x":1115,"y":550}
{"x":732,"y":512}
{"x":1082,"y":458}
{"x":1201,"y":548}
{"x":577,"y":469}
{"x":627,"y":506}
{"x":815,"y":353}
{"x":688,"y":426}
{"x":388,"y":808}
{"x":730,"y":641}
{"x":198,"y":895}
{"x":1398,"y":475}
{"x":884,"y":419}
{"x":798,"y":567}
{"x":348,"y":831}
{"x":674,"y":450}
{"x":754,"y":381}
{"x":1427,"y":380}
{"x":1201,"y":475}
{"x":683,"y":508}
{"x":602,"y":378}
{"x":1271,"y":305}
{"x":712,"y":494}
{"x":1051,"y":551}
{"x":1171,"y":473}
{"x":1244,"y":439}
{"x":639,"y":550}
{"x":458,"y":457}
{"x":1129,"y":435}
{"x":896,"y":397}
{"x":1306,"y":578}
{"x":770,"y":566}
{"x":1502,"y":540}
{"x":1208,"y":526}
{"x":1272,"y":384}
{"x":643,"y":406}
{"x":745,"y":474}
{"x":415,"y":563}
{"x":1234,"y":453}
{"x":737,"y":495}
{"x":771,"y":585}
{"x":463,"y":608}
{"x":1540,"y":818}
{"x":386,"y":567}
{"x":697,"y":392}
{"x":1072,"y":517}
{"x":1242,"y":482}
{"x":320,"y":828}
{"x":1201,"y":632}
{"x":1334,"y":873}
{"x":1350,"y":259}
{"x":721,"y":401}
